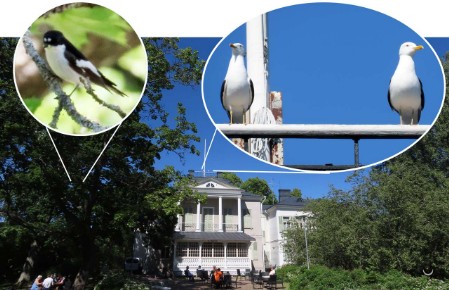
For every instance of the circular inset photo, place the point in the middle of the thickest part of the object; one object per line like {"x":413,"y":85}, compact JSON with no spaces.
{"x":80,"y":69}
{"x":323,"y":86}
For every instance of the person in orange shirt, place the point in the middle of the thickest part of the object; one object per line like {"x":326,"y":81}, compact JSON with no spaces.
{"x":218,"y":277}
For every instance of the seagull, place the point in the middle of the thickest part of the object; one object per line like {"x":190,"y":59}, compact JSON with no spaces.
{"x":69,"y":64}
{"x":405,"y":94}
{"x":237,"y":90}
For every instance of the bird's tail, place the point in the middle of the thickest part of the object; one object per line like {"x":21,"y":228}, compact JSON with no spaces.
{"x":117,"y":91}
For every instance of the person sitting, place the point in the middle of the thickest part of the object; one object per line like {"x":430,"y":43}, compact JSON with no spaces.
{"x":60,"y":281}
{"x":218,"y":278}
{"x":37,"y":283}
{"x":273,"y":271}
{"x":202,"y":274}
{"x":188,"y":274}
{"x":48,"y":283}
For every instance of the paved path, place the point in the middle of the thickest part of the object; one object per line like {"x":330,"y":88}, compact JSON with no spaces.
{"x":184,"y":284}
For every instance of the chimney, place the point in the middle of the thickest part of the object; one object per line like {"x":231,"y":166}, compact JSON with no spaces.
{"x":284,"y":194}
{"x":191,"y":173}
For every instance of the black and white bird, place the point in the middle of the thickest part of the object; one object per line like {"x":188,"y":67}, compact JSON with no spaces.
{"x":405,"y":94}
{"x":68,"y":63}
{"x":237,"y":90}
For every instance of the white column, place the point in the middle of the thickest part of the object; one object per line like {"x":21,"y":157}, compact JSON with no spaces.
{"x":198,"y":217}
{"x":225,"y":256}
{"x":179,"y":224}
{"x":220,"y":214}
{"x":175,"y":262}
{"x":239,"y":213}
{"x":201,"y":258}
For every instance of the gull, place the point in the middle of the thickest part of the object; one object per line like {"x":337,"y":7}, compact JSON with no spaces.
{"x":405,"y":94}
{"x":237,"y":90}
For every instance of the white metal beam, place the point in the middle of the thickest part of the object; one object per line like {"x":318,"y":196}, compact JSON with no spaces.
{"x":323,"y":131}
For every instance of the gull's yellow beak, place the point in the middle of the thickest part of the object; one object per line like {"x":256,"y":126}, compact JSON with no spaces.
{"x":419,"y":47}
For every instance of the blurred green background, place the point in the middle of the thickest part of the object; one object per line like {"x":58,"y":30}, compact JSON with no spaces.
{"x":109,"y":42}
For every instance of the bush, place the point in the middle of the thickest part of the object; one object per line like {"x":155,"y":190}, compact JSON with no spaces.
{"x":320,"y":277}
{"x":120,"y":281}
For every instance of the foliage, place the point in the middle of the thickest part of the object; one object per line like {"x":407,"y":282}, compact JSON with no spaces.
{"x":296,"y":192}
{"x":253,"y":185}
{"x":120,"y":281}
{"x":394,"y":216}
{"x":74,"y":223}
{"x":320,"y":277}
{"x":232,"y":178}
{"x":259,"y":186}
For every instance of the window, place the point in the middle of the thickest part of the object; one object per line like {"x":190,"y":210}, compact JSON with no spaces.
{"x":228,"y":215}
{"x":247,"y":221}
{"x":194,"y":250}
{"x":231,"y":250}
{"x":242,"y":250}
{"x":237,"y":250}
{"x":218,"y":250}
{"x":186,"y":249}
{"x":286,"y":222}
{"x":182,"y":249}
{"x":210,"y":184}
{"x":230,"y":224}
{"x":188,"y":215}
{"x":206,"y":250}
{"x":212,"y":250}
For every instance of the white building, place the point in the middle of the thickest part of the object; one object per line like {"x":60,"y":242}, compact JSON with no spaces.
{"x":277,"y":219}
{"x":225,"y":231}
{"x":230,"y":230}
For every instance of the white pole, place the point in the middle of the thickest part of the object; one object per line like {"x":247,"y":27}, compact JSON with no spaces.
{"x":307,"y":246}
{"x":256,"y":48}
{"x":257,"y":63}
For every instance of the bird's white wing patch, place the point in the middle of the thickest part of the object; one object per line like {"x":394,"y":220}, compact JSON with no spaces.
{"x":85,"y":64}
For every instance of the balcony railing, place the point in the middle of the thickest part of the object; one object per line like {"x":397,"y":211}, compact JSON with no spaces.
{"x":230,"y":264}
{"x":209,"y":227}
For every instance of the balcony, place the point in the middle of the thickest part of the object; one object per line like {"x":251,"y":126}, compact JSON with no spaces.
{"x":209,"y":227}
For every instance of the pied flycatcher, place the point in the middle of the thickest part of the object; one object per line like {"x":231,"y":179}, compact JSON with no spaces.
{"x":70,"y":64}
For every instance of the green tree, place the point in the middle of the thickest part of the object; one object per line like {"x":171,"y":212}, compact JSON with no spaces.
{"x":296,"y":192}
{"x":83,"y":223}
{"x":393,"y":217}
{"x":259,"y":186}
{"x":232,"y":178}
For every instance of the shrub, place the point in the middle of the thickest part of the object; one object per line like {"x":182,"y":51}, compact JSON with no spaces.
{"x":320,"y":277}
{"x":120,"y":281}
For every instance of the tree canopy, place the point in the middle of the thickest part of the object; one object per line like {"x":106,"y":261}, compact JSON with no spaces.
{"x":72,"y":226}
{"x":253,"y":185}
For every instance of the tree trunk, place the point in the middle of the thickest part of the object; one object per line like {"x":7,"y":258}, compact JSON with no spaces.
{"x":80,"y":280}
{"x":89,"y":253}
{"x":24,"y":277}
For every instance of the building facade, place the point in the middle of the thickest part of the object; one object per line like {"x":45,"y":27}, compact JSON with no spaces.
{"x":230,"y":230}
{"x":278,"y":218}
{"x":225,"y":231}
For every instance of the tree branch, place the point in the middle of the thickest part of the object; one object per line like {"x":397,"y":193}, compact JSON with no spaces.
{"x":63,"y":99}
{"x":91,"y":92}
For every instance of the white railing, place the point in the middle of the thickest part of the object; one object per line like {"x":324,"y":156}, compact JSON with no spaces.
{"x":209,"y":227}
{"x":230,"y":264}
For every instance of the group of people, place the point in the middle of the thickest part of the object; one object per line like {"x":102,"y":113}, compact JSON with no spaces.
{"x":52,"y":282}
{"x":217,"y":277}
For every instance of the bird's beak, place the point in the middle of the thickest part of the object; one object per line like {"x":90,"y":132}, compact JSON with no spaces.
{"x":232,"y":45}
{"x":419,"y":47}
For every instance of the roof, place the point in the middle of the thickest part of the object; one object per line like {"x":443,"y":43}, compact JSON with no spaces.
{"x":213,"y":236}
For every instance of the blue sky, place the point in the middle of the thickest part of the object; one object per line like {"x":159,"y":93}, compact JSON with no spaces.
{"x":223,"y":155}
{"x":333,"y":64}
